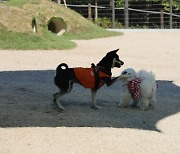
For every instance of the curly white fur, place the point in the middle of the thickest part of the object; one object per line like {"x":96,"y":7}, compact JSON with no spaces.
{"x":147,"y":98}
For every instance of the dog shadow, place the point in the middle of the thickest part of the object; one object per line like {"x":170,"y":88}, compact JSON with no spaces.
{"x":26,"y":101}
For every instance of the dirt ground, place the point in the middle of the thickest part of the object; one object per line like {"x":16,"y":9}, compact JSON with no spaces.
{"x":30,"y":122}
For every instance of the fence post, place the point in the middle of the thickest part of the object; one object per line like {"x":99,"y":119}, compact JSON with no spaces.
{"x":113,"y":14}
{"x":96,"y":10}
{"x":162,"y":19}
{"x":89,"y":11}
{"x":65,"y":4}
{"x":126,"y":12}
{"x":59,"y":1}
{"x":171,"y":14}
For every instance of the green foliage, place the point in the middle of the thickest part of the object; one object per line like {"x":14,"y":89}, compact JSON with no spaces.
{"x":165,"y":3}
{"x":107,"y":23}
{"x":120,"y":3}
{"x":104,"y":22}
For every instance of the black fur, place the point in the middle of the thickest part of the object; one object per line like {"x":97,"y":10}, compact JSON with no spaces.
{"x":65,"y":78}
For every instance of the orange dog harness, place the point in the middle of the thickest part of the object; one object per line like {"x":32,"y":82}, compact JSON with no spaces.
{"x":86,"y":77}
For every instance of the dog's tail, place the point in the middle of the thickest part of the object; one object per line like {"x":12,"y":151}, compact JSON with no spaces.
{"x":148,"y":75}
{"x":60,"y":67}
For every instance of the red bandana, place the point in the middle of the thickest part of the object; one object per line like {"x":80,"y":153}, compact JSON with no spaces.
{"x":134,"y":87}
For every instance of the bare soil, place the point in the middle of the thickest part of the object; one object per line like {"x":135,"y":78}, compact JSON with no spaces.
{"x":30,"y":122}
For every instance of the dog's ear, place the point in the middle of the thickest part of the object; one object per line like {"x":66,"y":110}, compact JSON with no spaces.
{"x":113,"y":51}
{"x":116,"y":50}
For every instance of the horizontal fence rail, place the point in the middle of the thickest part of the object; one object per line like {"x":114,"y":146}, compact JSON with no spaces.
{"x":140,"y":15}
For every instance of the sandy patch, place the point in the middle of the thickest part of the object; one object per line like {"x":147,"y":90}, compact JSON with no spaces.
{"x":30,"y":123}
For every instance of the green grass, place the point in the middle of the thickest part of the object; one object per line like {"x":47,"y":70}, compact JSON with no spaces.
{"x":25,"y":41}
{"x":92,"y":34}
{"x":20,"y":3}
{"x":11,"y":37}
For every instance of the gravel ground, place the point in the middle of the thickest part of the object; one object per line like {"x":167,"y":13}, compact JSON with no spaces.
{"x":30,"y":122}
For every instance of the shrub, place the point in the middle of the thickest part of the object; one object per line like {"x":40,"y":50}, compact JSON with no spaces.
{"x":107,"y":23}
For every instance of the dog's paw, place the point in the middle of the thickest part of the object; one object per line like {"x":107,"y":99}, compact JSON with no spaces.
{"x":96,"y":107}
{"x":60,"y":107}
{"x":122,"y":105}
{"x":144,"y":108}
{"x":152,"y":107}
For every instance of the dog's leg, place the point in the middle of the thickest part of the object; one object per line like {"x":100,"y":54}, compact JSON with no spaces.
{"x":114,"y":80}
{"x":57,"y":97}
{"x":144,"y":104}
{"x":93,"y":95}
{"x":134,"y":103}
{"x":152,"y":102}
{"x":125,"y":98}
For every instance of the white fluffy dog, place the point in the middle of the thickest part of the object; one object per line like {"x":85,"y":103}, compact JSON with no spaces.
{"x":140,"y":87}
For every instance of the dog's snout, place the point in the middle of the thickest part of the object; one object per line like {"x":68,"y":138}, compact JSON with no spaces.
{"x":122,"y":63}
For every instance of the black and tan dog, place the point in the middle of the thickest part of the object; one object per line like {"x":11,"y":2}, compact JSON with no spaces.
{"x":93,"y":77}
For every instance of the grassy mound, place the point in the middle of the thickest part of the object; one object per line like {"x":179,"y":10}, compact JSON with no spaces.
{"x":24,"y":25}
